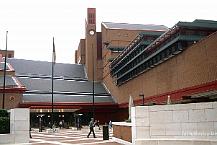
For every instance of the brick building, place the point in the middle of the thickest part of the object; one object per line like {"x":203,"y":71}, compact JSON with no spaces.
{"x":154,"y":62}
{"x":11,"y":90}
{"x":10,"y":53}
{"x":122,"y":60}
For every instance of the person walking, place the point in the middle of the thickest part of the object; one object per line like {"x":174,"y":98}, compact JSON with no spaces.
{"x":60,"y":124}
{"x":110,"y":124}
{"x":97,"y":124}
{"x":91,"y":126}
{"x":78,"y":124}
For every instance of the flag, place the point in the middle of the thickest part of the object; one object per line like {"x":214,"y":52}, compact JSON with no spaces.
{"x":54,"y":53}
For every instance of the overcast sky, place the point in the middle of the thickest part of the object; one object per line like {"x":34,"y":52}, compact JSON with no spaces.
{"x":31,"y":24}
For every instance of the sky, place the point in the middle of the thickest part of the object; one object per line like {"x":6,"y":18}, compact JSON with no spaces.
{"x":31,"y":24}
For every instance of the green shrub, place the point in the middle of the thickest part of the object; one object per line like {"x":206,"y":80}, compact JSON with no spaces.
{"x":4,"y":121}
{"x":3,"y":113}
{"x":4,"y":125}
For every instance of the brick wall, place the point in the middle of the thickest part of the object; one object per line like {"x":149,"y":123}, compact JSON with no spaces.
{"x":12,"y":100}
{"x":122,"y":131}
{"x":10,"y":53}
{"x":197,"y":65}
{"x":117,"y":38}
{"x":81,"y":52}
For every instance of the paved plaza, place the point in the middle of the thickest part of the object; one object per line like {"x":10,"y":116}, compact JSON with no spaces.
{"x":70,"y":136}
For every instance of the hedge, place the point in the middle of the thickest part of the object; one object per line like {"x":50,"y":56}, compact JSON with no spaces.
{"x":4,"y":125}
{"x":4,"y":121}
{"x":4,"y":113}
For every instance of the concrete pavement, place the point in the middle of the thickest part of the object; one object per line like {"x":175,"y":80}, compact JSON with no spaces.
{"x":69,"y":137}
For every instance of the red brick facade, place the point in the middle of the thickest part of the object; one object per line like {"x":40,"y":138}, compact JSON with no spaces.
{"x":195,"y":67}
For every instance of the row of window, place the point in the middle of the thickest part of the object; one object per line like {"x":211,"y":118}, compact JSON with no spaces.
{"x":127,"y":50}
{"x":138,"y":55}
{"x":130,"y":60}
{"x":137,"y":48}
{"x":142,"y":66}
{"x":141,"y":58}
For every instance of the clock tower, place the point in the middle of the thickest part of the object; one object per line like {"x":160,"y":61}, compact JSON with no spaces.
{"x":91,"y":45}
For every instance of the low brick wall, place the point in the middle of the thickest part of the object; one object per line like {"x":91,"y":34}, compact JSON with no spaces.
{"x":122,"y":130}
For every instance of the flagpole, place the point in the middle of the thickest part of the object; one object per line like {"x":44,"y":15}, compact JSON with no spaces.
{"x":93,"y":84}
{"x":53,"y":61}
{"x":6,"y":50}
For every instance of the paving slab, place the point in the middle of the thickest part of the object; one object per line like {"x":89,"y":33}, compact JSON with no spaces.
{"x":70,"y":137}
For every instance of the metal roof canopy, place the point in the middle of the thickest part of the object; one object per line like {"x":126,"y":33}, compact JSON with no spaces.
{"x":207,"y":24}
{"x":43,"y":68}
{"x":2,"y":66}
{"x":61,"y":98}
{"x":127,"y":26}
{"x":44,"y":85}
{"x":9,"y":81}
{"x":70,"y":84}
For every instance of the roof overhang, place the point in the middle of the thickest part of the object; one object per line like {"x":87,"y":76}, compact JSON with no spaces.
{"x":45,"y":110}
{"x":68,"y":105}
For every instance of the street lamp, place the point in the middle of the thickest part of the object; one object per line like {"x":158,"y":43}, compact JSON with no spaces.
{"x":5,"y":67}
{"x":92,"y":32}
{"x":143,"y":99}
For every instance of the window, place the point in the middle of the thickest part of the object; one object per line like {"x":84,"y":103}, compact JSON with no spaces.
{"x":9,"y":55}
